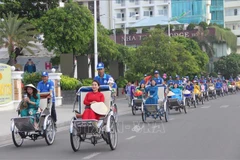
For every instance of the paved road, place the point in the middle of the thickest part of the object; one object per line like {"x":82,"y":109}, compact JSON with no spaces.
{"x":209,"y":132}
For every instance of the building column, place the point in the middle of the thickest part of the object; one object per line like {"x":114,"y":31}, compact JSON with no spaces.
{"x":17,"y":86}
{"x":56,"y":77}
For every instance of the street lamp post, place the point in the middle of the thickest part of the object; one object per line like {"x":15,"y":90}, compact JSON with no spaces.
{"x":169,"y":34}
{"x":95,"y":38}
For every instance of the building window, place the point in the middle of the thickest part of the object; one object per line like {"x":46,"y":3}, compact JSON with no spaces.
{"x":235,"y":12}
{"x":132,"y":14}
{"x":131,"y":1}
{"x":118,"y":1}
{"x":146,"y":13}
{"x":119,"y":15}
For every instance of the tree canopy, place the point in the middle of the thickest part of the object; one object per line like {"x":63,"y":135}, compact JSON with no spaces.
{"x":228,"y":65}
{"x":171,"y":56}
{"x":31,"y":9}
{"x":68,"y":29}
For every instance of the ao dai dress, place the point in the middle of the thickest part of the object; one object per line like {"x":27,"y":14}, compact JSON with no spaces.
{"x":153,"y":91}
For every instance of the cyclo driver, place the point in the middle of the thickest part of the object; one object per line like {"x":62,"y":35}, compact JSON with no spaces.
{"x":102,"y":77}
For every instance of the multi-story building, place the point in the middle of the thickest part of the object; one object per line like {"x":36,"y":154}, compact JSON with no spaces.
{"x":90,"y":5}
{"x":198,"y":10}
{"x":232,"y":18}
{"x":124,"y":13}
{"x":217,"y":12}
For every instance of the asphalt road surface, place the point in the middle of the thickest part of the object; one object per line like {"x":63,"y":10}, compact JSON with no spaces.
{"x":209,"y":132}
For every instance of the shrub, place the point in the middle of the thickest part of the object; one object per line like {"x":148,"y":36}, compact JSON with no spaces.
{"x":213,"y":74}
{"x":31,"y":78}
{"x":121,"y":82}
{"x":191,"y":26}
{"x":86,"y":82}
{"x":68,"y":83}
{"x":132,"y":31}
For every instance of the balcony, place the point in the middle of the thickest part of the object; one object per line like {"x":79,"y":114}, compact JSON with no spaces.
{"x":232,"y":18}
{"x":231,"y":4}
{"x":238,"y":41}
{"x":236,"y":32}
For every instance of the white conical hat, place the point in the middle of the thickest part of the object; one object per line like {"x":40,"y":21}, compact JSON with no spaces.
{"x":30,"y":85}
{"x":170,"y":93}
{"x":186,"y":92}
{"x":100,"y":108}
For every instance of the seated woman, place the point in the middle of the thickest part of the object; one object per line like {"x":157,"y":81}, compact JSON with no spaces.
{"x":177,"y":91}
{"x":142,"y":89}
{"x":196,"y":90}
{"x":153,"y":91}
{"x":92,"y":97}
{"x":31,"y":104}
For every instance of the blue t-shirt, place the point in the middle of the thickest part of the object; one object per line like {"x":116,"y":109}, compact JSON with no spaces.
{"x":158,"y":80}
{"x":46,"y":87}
{"x":103,"y":80}
{"x":218,"y":85}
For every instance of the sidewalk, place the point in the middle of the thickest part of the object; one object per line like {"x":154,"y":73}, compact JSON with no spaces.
{"x":64,"y":115}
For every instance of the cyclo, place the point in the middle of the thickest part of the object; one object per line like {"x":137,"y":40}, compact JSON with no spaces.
{"x":91,"y":129}
{"x":176,"y":100}
{"x":156,"y":110}
{"x":22,"y":127}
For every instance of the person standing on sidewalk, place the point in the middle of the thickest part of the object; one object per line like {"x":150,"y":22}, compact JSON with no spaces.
{"x":46,"y":85}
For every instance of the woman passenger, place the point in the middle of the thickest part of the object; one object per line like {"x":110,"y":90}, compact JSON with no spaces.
{"x":90,"y":98}
{"x":31,"y":102}
{"x":153,"y":91}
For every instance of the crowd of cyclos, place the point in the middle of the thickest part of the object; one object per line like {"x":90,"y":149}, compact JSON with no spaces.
{"x":177,"y":94}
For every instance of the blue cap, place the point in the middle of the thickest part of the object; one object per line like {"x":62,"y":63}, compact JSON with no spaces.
{"x":100,"y":65}
{"x":177,"y":76}
{"x":44,"y":74}
{"x":156,"y":72}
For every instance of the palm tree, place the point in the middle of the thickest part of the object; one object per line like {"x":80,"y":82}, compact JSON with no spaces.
{"x":16,"y":35}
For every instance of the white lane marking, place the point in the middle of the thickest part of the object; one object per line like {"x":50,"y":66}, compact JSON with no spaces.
{"x":92,"y":155}
{"x":130,"y":137}
{"x":206,"y":107}
{"x":224,"y":106}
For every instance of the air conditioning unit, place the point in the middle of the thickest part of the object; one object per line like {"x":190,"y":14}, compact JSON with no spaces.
{"x":122,"y":10}
{"x":122,"y":26}
{"x":150,"y":9}
{"x":136,"y":10}
{"x":165,"y":7}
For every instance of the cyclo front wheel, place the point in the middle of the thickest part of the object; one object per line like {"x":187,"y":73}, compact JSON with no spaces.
{"x":75,"y":140}
{"x":16,"y":137}
{"x":113,"y":134}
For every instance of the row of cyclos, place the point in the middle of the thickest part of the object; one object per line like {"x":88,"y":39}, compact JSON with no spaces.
{"x":177,"y":95}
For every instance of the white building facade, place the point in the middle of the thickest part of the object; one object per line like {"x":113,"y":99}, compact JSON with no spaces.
{"x":232,"y":18}
{"x":124,"y":13}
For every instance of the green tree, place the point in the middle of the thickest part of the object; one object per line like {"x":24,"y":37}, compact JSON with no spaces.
{"x":156,"y":53}
{"x":27,"y":8}
{"x":191,"y":26}
{"x":228,"y":65}
{"x":16,"y":35}
{"x":68,"y":29}
{"x":193,"y":47}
